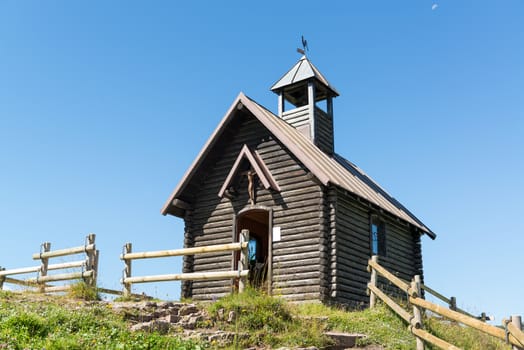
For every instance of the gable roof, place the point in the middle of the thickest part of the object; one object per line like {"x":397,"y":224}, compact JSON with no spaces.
{"x":333,"y":170}
{"x":257,"y":164}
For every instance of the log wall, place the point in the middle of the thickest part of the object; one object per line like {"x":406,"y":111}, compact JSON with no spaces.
{"x":297,"y":210}
{"x":324,"y":131}
{"x":352,"y":250}
{"x":325,"y":231}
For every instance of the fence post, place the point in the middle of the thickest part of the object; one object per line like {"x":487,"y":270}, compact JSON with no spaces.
{"x":2,"y":278}
{"x":417,"y":313}
{"x":453,"y":303}
{"x":46,"y":247}
{"x":517,"y":322}
{"x":94,"y":267}
{"x":244,"y":257}
{"x":91,"y":257}
{"x":128,"y":247}
{"x":373,"y":282}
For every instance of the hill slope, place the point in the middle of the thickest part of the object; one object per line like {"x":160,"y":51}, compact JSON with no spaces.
{"x":251,"y":319}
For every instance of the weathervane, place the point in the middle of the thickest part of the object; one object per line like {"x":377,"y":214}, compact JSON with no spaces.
{"x":304,"y":47}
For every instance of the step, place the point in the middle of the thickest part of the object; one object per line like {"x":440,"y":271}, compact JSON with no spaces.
{"x":343,"y":340}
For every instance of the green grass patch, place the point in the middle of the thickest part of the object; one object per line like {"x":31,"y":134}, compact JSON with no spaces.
{"x":380,"y":325}
{"x":463,"y":337}
{"x":82,"y":290}
{"x":39,"y":322}
{"x":265,"y":321}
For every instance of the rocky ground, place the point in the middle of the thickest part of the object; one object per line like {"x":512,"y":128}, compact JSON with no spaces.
{"x":192,"y":322}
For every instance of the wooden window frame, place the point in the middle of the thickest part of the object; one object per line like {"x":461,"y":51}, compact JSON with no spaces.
{"x":376,"y":220}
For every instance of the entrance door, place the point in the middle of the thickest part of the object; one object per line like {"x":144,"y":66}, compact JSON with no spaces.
{"x":258,"y":222}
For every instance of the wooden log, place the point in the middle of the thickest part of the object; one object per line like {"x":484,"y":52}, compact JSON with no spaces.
{"x":67,"y":265}
{"x":515,"y":329}
{"x":63,"y":252}
{"x":422,"y":334}
{"x":417,"y":312}
{"x":24,"y":270}
{"x":243,"y":263}
{"x":45,"y":248}
{"x":516,"y":336}
{"x":57,"y":289}
{"x":389,"y":302}
{"x":391,"y":277}
{"x":457,"y":316}
{"x":128,"y":247}
{"x":187,"y":277}
{"x":119,"y":292}
{"x":20,"y":282}
{"x":186,"y":251}
{"x":20,"y":271}
{"x":61,"y":277}
{"x":373,"y":282}
{"x":452,"y":302}
{"x":92,"y":257}
{"x":2,"y":278}
{"x":94,"y":268}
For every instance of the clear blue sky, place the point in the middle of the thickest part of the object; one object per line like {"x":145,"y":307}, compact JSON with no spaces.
{"x":103,"y":106}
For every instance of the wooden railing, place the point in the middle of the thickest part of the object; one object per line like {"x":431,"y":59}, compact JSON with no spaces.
{"x":510,"y":332}
{"x":128,"y":256}
{"x":88,"y":268}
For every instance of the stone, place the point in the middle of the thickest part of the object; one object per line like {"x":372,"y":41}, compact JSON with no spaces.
{"x":172,"y":318}
{"x":150,"y":304}
{"x":159,"y":326}
{"x":231,"y":317}
{"x":343,"y":340}
{"x":187,"y":310}
{"x":220,"y":314}
{"x":165,"y":305}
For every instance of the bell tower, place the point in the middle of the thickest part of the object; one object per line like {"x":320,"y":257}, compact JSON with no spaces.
{"x":305,"y":101}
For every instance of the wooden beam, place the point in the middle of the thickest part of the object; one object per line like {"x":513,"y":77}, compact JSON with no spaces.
{"x":195,"y":276}
{"x":20,"y":271}
{"x":457,"y":316}
{"x":186,"y":251}
{"x":62,"y":277}
{"x":63,"y":252}
{"x":389,"y":302}
{"x":391,"y":277}
{"x":428,"y":337}
{"x":181,"y":204}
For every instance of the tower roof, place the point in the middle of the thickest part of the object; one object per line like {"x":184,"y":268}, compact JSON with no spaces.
{"x":302,"y":71}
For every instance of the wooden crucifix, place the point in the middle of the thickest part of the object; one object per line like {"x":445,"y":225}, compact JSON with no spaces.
{"x":251,"y":185}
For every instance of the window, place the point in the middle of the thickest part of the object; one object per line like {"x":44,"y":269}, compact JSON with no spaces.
{"x":378,"y":236}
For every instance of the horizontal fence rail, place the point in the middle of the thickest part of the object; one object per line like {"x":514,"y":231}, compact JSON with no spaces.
{"x":88,"y":267}
{"x":128,"y":256}
{"x":187,"y":251}
{"x":511,"y":331}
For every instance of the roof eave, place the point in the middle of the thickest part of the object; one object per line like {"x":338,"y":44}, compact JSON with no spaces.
{"x":201,"y":155}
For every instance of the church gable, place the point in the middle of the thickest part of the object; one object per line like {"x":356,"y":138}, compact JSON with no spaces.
{"x":250,"y":165}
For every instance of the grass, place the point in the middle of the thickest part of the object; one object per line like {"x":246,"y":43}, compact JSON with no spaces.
{"x":34,"y":321}
{"x":380,"y":325}
{"x":82,"y":290}
{"x":463,"y":337}
{"x":29,"y":321}
{"x":265,"y":321}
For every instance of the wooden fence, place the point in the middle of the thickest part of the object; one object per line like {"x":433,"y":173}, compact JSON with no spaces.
{"x":88,"y":268}
{"x":511,"y":330}
{"x":128,"y":256}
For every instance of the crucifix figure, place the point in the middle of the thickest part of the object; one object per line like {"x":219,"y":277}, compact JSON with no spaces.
{"x":251,"y":186}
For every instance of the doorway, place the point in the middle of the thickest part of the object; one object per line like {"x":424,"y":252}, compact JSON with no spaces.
{"x":258,"y":222}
